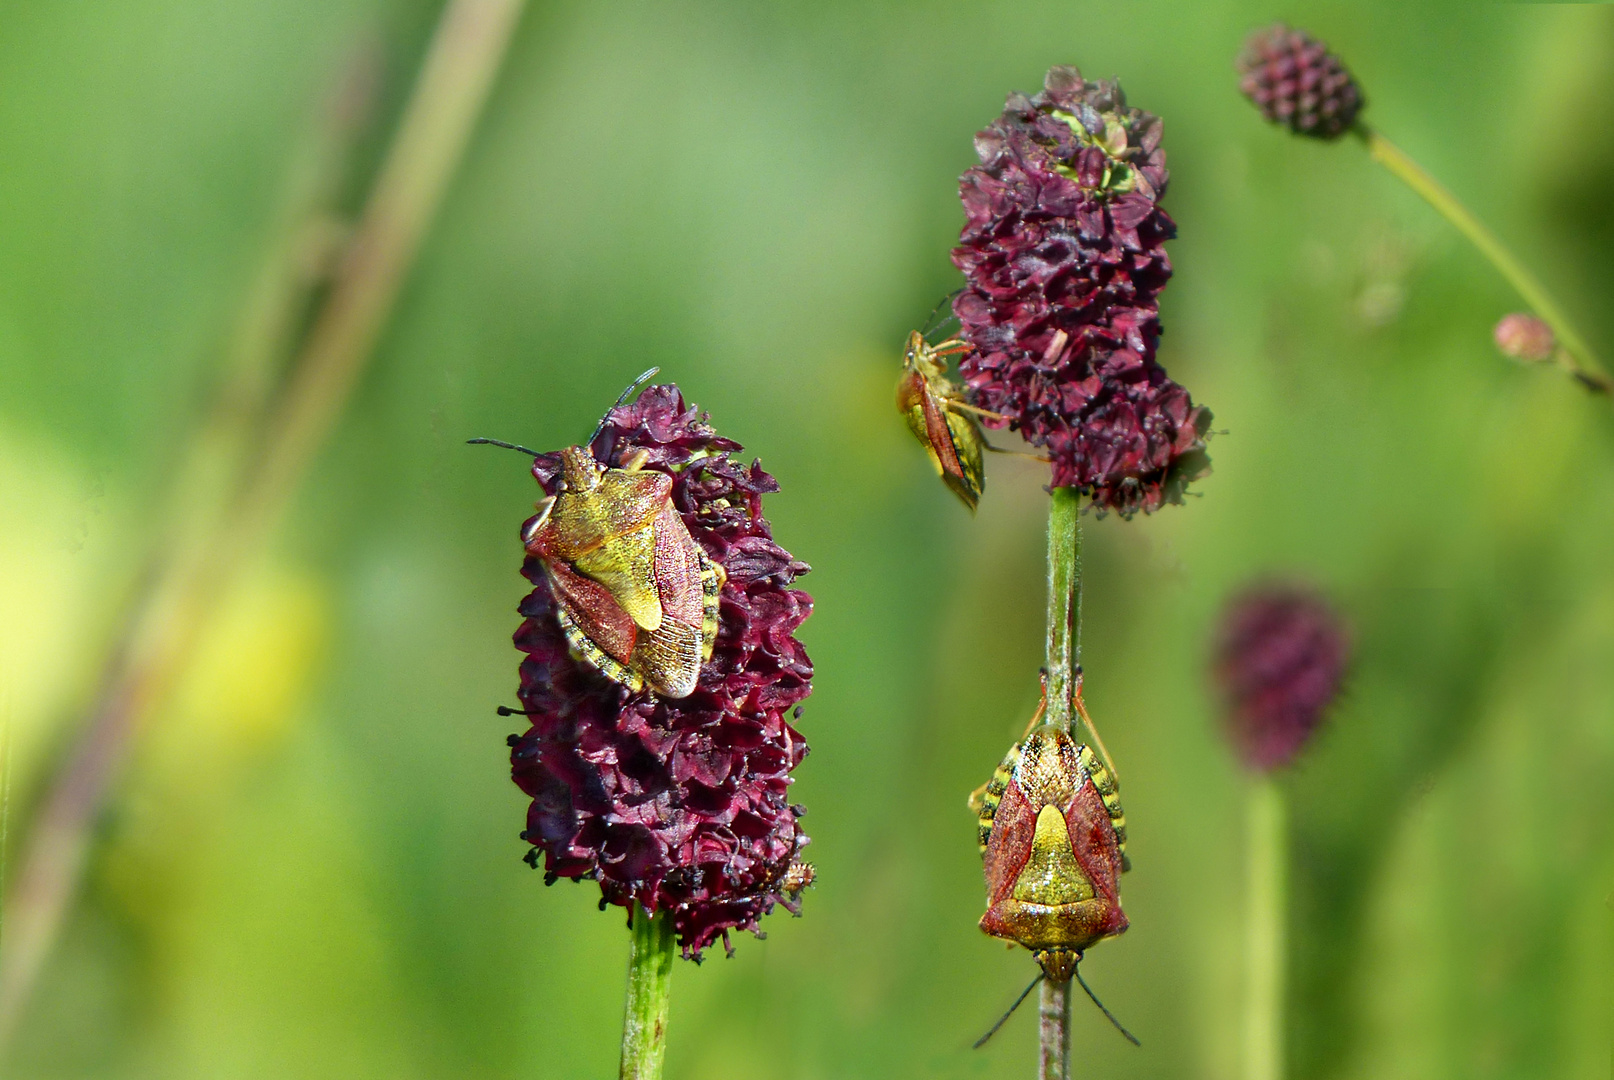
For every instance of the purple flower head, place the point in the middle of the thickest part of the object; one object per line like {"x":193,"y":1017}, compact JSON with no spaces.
{"x":1063,"y":252}
{"x":1295,"y":81}
{"x":679,"y":804}
{"x":1281,"y":653}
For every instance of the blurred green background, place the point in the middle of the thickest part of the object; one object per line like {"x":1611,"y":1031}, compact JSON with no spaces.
{"x":312,"y":867}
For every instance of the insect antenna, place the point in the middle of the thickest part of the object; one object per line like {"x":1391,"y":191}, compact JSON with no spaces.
{"x":1004,"y":1018}
{"x":498,"y":442}
{"x":505,"y":710}
{"x":932,"y":324}
{"x":621,"y":400}
{"x":1131,"y":1038}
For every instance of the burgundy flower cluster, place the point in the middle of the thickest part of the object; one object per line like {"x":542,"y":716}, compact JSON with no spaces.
{"x":1281,"y":654}
{"x":681,"y":805}
{"x":1063,"y":252}
{"x":1295,"y":81}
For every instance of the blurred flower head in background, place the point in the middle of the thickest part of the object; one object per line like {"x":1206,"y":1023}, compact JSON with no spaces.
{"x":1295,"y":81}
{"x":1281,"y":652}
{"x":679,"y":804}
{"x":1063,"y":252}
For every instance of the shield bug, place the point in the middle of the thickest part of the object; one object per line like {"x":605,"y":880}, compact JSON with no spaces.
{"x":940,"y":418}
{"x":636,"y":597}
{"x":1053,"y":838}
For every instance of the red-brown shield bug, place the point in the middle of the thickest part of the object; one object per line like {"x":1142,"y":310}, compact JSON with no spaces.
{"x":1053,"y":837}
{"x":635,"y":595}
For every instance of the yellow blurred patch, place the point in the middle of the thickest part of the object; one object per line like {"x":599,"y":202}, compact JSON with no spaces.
{"x":251,"y":670}
{"x":55,"y":532}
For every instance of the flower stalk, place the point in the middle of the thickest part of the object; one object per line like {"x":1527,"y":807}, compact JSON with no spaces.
{"x":644,"y":1019}
{"x":1064,"y":603}
{"x":1053,"y":1029}
{"x":1585,"y":365}
{"x":1265,"y":940}
{"x":1064,"y":663}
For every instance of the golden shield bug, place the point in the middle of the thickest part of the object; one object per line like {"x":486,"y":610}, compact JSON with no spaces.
{"x":940,"y":418}
{"x":636,"y":597}
{"x":1053,"y":840}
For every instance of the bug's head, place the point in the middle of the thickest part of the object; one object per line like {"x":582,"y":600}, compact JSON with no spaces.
{"x":914,"y":354}
{"x":580,"y":473}
{"x":1057,"y":964}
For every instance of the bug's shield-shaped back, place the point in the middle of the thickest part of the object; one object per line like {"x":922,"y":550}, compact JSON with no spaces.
{"x":607,"y":534}
{"x":635,"y":595}
{"x":1052,"y":855}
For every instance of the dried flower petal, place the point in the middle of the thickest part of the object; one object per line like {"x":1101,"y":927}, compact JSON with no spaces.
{"x":1063,"y":251}
{"x":1295,"y":81}
{"x":679,"y":804}
{"x":1280,"y":658}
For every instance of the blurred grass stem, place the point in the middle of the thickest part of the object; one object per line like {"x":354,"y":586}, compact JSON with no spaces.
{"x":1064,"y":664}
{"x":1265,"y":935}
{"x":252,"y":451}
{"x":1585,"y":366}
{"x":644,"y":1020}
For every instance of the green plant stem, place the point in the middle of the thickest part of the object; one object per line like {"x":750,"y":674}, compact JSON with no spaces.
{"x":1265,"y":940}
{"x":1064,"y":604}
{"x":1584,"y":365}
{"x":1064,"y":664}
{"x":1053,"y":1030}
{"x":644,"y":1019}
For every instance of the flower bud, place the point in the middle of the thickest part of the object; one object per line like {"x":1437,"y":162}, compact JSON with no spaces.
{"x":1525,"y":337}
{"x":1295,"y":81}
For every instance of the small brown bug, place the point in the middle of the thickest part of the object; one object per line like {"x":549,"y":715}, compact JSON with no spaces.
{"x":940,"y":418}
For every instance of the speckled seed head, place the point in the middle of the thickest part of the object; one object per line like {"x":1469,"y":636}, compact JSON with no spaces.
{"x":681,"y":804}
{"x":1280,"y":657}
{"x":1295,"y":81}
{"x":1063,"y":255}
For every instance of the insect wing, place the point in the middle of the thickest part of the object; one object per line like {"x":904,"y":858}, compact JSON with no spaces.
{"x":967,"y":442}
{"x":669,"y":657}
{"x":595,"y":625}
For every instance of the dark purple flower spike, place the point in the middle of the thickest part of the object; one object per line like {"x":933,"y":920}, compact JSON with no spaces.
{"x":680,"y":804}
{"x":1063,"y":252}
{"x":1281,"y":654}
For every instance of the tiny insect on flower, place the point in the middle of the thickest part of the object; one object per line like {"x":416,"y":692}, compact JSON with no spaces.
{"x":1053,"y":837}
{"x":798,"y":876}
{"x":941,"y":419}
